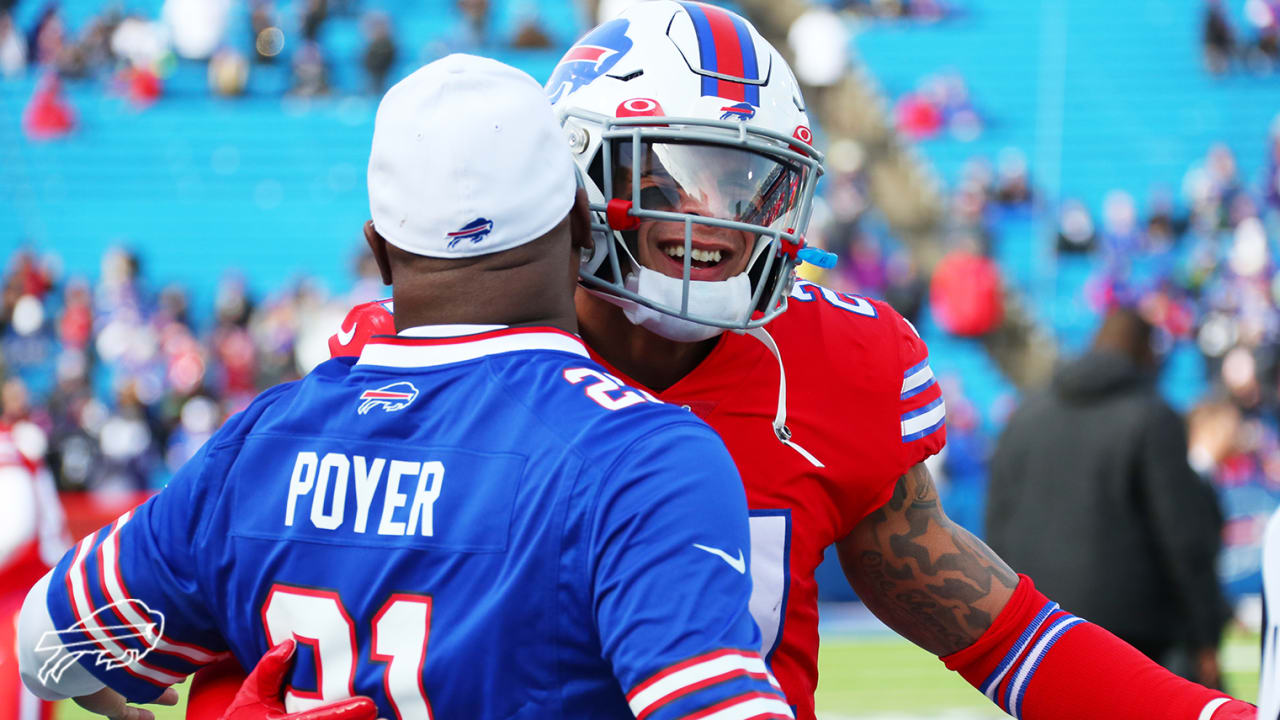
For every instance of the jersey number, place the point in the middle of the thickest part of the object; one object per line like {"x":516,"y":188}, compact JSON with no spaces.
{"x":604,"y":385}
{"x":808,"y":292}
{"x":317,"y":618}
{"x":770,"y":574}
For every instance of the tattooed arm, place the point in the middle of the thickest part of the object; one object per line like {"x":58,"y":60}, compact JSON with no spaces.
{"x":923,"y":575}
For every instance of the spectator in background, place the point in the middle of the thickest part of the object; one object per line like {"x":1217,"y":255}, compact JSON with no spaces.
{"x":314,"y":13}
{"x":13,"y":48}
{"x":33,"y":535}
{"x":1271,"y":182}
{"x":1013,"y":184}
{"x":228,"y":73}
{"x":475,"y":15}
{"x":198,"y":27}
{"x":1263,"y":53}
{"x":379,"y":52}
{"x":310,"y":73}
{"x":268,"y":40}
{"x":1075,"y":228}
{"x":1218,"y":38}
{"x":48,"y":115}
{"x":44,"y":42}
{"x":1091,"y":493}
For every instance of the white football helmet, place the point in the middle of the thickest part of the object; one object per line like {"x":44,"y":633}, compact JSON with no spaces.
{"x":695,"y":149}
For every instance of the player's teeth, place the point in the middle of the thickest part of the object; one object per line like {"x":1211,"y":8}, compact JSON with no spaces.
{"x":677,"y":251}
{"x":706,"y":255}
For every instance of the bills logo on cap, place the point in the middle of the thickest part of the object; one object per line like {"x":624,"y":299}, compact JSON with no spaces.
{"x":475,"y":231}
{"x":742,"y":111}
{"x":390,"y":398}
{"x":592,"y":57}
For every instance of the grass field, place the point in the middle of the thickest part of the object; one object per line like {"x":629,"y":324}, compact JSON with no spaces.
{"x":883,"y":677}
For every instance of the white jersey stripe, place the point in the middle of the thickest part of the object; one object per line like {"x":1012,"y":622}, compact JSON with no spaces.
{"x":411,"y":356}
{"x":1212,"y":706}
{"x":115,"y":593}
{"x":724,"y":666}
{"x":918,"y":379}
{"x":78,"y":576}
{"x":753,"y":708}
{"x":1032,"y":660}
{"x":932,"y":414}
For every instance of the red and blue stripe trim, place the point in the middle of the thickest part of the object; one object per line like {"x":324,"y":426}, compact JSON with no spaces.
{"x":725,"y":47}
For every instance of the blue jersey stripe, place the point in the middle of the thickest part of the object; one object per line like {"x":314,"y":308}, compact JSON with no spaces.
{"x":916,"y":368}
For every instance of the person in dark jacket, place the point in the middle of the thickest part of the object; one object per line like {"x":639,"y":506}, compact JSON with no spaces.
{"x":1091,"y":494}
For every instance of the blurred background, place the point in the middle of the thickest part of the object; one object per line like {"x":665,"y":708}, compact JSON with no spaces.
{"x":182,"y":192}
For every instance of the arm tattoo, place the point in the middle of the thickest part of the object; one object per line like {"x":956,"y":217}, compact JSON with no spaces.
{"x":922,"y":574}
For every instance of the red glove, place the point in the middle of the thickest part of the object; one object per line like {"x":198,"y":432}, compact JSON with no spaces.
{"x":259,"y":698}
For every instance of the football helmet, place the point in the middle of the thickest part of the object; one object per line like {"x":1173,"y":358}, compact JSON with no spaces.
{"x":692,"y":140}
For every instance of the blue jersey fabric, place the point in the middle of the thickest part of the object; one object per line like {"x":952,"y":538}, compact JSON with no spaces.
{"x":486,"y":527}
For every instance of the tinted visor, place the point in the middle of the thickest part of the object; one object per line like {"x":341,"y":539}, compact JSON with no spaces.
{"x":728,"y":183}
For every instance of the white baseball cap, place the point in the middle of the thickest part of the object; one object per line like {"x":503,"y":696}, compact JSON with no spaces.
{"x":468,"y":159}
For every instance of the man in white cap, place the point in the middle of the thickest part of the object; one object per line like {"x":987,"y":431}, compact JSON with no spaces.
{"x":470,"y":519}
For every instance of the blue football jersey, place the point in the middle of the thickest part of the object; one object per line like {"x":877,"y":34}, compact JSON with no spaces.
{"x":482,"y":525}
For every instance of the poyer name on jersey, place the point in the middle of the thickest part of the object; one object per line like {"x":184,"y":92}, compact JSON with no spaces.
{"x":408,"y":491}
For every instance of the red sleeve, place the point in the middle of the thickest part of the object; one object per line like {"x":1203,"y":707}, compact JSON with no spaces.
{"x":213,"y":688}
{"x":361,"y":324}
{"x":921,"y":412}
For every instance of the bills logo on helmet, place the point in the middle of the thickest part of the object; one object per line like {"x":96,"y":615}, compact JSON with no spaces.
{"x":741,"y":111}
{"x":475,"y":231}
{"x":593,"y":56}
{"x":390,"y":398}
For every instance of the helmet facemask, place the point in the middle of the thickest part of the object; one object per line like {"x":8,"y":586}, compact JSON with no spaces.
{"x":748,"y":189}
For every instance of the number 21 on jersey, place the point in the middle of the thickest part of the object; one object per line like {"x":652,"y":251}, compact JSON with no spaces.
{"x":317,"y":618}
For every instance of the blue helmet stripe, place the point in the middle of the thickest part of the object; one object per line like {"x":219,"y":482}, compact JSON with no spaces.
{"x":706,"y":45}
{"x":750,"y":70}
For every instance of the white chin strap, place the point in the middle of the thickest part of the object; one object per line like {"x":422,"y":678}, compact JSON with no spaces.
{"x":780,"y":428}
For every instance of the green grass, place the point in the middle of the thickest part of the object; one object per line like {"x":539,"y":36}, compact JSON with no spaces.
{"x":888,"y":676}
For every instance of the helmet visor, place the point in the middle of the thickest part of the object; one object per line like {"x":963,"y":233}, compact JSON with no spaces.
{"x":713,"y":181}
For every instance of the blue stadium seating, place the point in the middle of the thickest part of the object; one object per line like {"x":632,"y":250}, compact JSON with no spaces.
{"x":202,"y":186}
{"x":1098,"y":95}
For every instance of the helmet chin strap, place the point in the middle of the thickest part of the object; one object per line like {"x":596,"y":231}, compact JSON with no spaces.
{"x":780,"y":428}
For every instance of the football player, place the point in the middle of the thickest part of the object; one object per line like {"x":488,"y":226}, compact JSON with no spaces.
{"x":33,"y":534}
{"x":692,"y":132}
{"x":472,"y":519}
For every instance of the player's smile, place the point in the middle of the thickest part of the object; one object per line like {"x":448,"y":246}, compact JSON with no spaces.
{"x":718,"y":253}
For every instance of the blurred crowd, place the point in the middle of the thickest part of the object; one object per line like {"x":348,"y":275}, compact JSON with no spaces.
{"x":1256,"y":49}
{"x":125,"y":382}
{"x":133,"y":54}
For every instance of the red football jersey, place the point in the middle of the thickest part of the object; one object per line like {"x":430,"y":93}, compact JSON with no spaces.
{"x":862,"y":400}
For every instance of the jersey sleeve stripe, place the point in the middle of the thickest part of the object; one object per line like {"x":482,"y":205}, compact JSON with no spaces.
{"x":748,"y":706}
{"x":1018,"y":687}
{"x":923,"y":421}
{"x":704,"y":674}
{"x":1029,"y":633}
{"x":87,"y":618}
{"x":917,"y":381}
{"x":115,"y":592}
